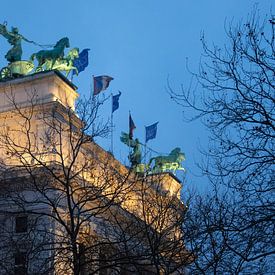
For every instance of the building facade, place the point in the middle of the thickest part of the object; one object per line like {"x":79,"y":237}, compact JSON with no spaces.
{"x":66,"y":205}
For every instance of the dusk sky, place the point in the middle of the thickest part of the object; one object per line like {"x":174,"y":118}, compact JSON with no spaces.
{"x":140,"y":43}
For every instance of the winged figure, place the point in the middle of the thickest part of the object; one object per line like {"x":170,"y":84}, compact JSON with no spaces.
{"x":15,"y":39}
{"x":135,"y":155}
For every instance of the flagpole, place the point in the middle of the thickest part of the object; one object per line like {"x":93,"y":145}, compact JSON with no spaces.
{"x":129,"y":151}
{"x":92,"y":88}
{"x":112,"y":127}
{"x":145,"y":153}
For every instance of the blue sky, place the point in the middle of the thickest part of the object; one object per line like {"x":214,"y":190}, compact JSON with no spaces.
{"x":140,"y":43}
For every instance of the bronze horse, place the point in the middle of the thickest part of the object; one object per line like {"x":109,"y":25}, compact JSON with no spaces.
{"x":170,"y":162}
{"x":44,"y":56}
{"x":65,"y":64}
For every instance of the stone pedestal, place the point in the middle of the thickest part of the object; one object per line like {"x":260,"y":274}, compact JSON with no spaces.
{"x":41,"y":88}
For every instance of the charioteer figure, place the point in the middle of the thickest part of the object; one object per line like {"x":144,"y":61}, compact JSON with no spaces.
{"x":15,"y":39}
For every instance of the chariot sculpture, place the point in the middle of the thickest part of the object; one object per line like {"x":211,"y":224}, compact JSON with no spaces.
{"x":50,"y":59}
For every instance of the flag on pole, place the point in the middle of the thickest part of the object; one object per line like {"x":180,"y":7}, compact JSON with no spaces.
{"x":101,"y":83}
{"x":115,"y":101}
{"x":81,"y":62}
{"x":151,"y":131}
{"x":132,"y":126}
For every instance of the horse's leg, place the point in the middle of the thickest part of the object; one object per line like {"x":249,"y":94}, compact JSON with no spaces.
{"x":67,"y":72}
{"x":74,"y":69}
{"x":53,"y":62}
{"x":39,"y":67}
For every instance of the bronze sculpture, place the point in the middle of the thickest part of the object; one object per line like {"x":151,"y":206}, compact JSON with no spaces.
{"x":49,"y":57}
{"x":64,"y":64}
{"x":171,"y":162}
{"x":135,"y":155}
{"x":52,"y":59}
{"x":15,"y":39}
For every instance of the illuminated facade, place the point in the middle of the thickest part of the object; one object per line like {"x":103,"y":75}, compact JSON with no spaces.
{"x":67,"y":205}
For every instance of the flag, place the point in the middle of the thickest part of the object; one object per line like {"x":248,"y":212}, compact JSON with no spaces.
{"x":132,"y":126}
{"x":151,"y":131}
{"x":115,"y":101}
{"x":81,"y":62}
{"x":101,"y":83}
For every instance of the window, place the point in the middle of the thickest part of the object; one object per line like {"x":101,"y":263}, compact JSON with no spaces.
{"x":21,"y":224}
{"x":20,"y":263}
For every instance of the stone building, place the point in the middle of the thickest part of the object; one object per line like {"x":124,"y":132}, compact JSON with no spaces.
{"x":66,"y":205}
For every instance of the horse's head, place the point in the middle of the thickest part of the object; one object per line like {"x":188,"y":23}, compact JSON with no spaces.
{"x":73,"y":53}
{"x":175,"y":151}
{"x":63,"y":42}
{"x":181,"y":157}
{"x":178,"y":154}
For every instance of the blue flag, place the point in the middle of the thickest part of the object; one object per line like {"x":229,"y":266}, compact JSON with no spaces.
{"x":151,"y":131}
{"x":101,"y":83}
{"x":82,"y":61}
{"x":115,"y":101}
